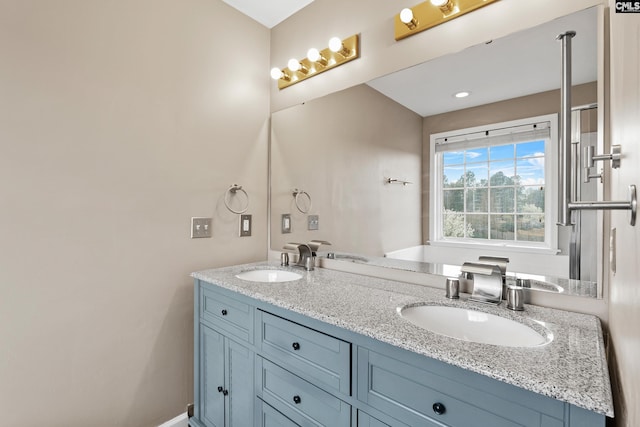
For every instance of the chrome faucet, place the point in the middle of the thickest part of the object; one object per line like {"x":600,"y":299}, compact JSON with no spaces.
{"x":501,"y":262}
{"x":306,"y":252}
{"x":487,"y":282}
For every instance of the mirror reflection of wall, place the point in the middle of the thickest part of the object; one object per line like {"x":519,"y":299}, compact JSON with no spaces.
{"x":340,"y":147}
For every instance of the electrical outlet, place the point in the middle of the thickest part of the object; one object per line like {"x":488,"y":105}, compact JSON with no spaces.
{"x":245,"y":225}
{"x":286,"y":223}
{"x":313,"y":222}
{"x":200,"y":227}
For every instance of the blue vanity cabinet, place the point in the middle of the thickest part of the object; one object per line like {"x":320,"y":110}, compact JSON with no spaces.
{"x":303,"y":372}
{"x":269,"y":417}
{"x":424,"y":392}
{"x":301,"y":401}
{"x":320,"y":358}
{"x":224,"y":361}
{"x":261,"y":365}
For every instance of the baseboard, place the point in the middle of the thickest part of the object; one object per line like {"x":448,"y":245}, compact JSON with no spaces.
{"x":181,"y":420}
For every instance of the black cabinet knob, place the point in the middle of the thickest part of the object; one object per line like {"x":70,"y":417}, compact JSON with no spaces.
{"x":225,"y":392}
{"x":220,"y":389}
{"x":224,"y":312}
{"x":296,"y":399}
{"x":439,"y":408}
{"x":296,"y":346}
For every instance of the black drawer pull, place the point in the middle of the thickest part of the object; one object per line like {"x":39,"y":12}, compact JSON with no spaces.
{"x":439,"y":408}
{"x":224,"y":312}
{"x":296,"y":346}
{"x":296,"y":399}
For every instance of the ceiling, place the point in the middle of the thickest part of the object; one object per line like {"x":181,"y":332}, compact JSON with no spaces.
{"x":268,"y":12}
{"x":521,"y":64}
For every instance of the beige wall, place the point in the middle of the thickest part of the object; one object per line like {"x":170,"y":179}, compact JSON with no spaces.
{"x":339,"y":148}
{"x":119,"y":120}
{"x":624,"y":311}
{"x":381,"y":54}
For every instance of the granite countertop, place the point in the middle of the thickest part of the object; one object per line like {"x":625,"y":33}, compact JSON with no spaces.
{"x":572,"y":368}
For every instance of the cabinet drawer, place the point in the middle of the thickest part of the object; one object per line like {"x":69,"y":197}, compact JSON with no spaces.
{"x":423,"y":398}
{"x":227,"y":314}
{"x":269,"y":417}
{"x":302,"y":402}
{"x":318,"y":357}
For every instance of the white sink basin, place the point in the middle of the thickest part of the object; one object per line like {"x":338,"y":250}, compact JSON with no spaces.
{"x":269,"y":276}
{"x":475,"y":326}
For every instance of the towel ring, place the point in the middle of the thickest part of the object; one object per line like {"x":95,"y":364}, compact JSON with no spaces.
{"x":231,"y":191}
{"x":296,"y":194}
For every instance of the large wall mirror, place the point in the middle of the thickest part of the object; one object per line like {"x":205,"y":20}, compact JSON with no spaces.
{"x":353,"y":167}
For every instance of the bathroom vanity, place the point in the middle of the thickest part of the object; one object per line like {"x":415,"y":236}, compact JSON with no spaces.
{"x":330,"y":348}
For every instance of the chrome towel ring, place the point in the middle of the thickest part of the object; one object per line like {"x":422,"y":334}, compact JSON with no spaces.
{"x":297,"y":196}
{"x":235,"y":188}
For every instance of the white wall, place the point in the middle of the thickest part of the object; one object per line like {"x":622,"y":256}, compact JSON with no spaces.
{"x":624,"y":298}
{"x":119,"y":120}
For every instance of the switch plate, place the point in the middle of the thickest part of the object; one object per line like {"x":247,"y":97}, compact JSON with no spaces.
{"x":200,"y":227}
{"x":245,"y":225}
{"x":286,"y":223}
{"x":313,"y":222}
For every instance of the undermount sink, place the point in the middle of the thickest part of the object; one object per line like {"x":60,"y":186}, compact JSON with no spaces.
{"x":269,"y":276}
{"x":474,"y":326}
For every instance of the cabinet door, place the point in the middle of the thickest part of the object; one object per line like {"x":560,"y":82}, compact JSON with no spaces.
{"x":240,"y":383}
{"x":211,"y":377}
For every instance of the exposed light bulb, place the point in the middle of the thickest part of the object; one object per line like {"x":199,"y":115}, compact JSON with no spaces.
{"x":439,"y":3}
{"x":313,"y":54}
{"x":406,"y":15}
{"x":276,"y":73}
{"x":294,"y":65}
{"x":335,"y":44}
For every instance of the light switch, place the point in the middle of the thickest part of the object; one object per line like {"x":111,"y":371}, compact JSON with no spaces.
{"x":286,"y":223}
{"x":200,"y":227}
{"x":245,"y":225}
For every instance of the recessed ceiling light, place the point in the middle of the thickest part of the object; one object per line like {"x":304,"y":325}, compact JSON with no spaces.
{"x":462,"y":94}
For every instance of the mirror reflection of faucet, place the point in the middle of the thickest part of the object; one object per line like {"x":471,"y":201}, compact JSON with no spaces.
{"x":306,"y":252}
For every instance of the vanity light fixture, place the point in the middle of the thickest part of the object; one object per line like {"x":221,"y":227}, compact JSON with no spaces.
{"x":277,"y":73}
{"x":340,"y":51}
{"x":431,"y":13}
{"x":295,"y":65}
{"x":314,"y":55}
{"x":406,"y":16}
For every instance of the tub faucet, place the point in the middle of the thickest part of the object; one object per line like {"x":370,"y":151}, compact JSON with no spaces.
{"x":487,"y":282}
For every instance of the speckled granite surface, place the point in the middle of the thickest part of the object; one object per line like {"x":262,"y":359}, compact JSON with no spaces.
{"x":572,"y":368}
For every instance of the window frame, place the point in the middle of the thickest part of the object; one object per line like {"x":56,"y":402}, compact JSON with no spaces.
{"x":550,"y":244}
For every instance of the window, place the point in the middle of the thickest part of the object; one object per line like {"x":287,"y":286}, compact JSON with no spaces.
{"x":491,"y":185}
